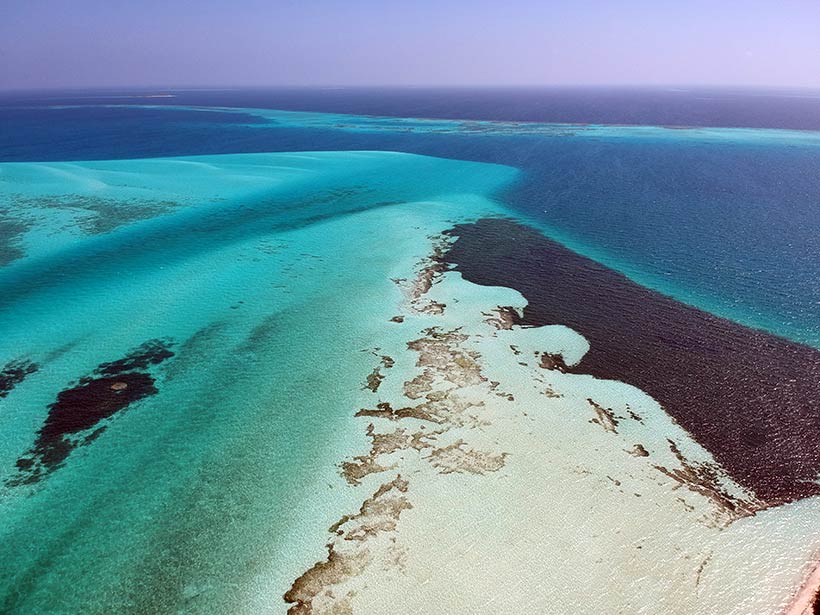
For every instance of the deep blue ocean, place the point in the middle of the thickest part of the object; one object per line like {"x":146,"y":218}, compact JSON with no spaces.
{"x":731,"y":226}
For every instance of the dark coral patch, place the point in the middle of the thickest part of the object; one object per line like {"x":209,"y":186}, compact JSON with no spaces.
{"x":73,"y":419}
{"x":150,"y":353}
{"x":97,"y":215}
{"x":13,"y":373}
{"x":91,"y":401}
{"x":752,"y":399}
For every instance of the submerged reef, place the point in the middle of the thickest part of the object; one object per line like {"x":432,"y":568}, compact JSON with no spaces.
{"x":13,"y":373}
{"x":74,"y":418}
{"x":752,"y":399}
{"x":12,"y":230}
{"x":96,"y":215}
{"x":92,"y":215}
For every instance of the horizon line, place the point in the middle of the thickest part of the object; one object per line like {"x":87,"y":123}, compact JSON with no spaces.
{"x":431,"y":86}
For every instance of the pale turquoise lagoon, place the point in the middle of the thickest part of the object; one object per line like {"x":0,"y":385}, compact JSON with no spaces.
{"x":269,"y":278}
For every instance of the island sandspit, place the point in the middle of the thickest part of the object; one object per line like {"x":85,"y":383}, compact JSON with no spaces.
{"x":500,"y":478}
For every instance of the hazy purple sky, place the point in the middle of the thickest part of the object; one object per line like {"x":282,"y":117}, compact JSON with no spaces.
{"x":55,"y":43}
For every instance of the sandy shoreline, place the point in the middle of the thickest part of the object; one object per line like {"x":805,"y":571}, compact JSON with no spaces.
{"x":807,"y":600}
{"x":496,"y":482}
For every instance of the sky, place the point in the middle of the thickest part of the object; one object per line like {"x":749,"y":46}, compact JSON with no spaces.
{"x":113,"y":43}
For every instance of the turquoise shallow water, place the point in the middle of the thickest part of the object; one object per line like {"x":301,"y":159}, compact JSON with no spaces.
{"x":725,"y":219}
{"x":268,"y":277}
{"x":270,"y":280}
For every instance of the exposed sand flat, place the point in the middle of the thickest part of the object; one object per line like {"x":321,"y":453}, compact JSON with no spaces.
{"x":498,"y":483}
{"x":807,"y":599}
